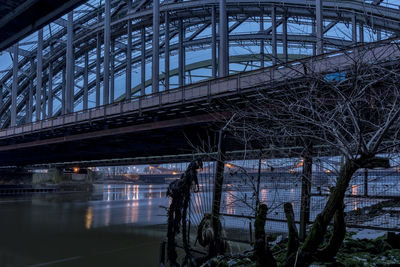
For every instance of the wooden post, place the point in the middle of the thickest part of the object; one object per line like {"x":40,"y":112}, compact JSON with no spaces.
{"x":162,"y":253}
{"x":365,"y":182}
{"x":251,"y":232}
{"x":293,"y":242}
{"x":305,"y":189}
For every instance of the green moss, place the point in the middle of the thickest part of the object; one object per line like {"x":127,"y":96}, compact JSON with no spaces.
{"x":353,"y":253}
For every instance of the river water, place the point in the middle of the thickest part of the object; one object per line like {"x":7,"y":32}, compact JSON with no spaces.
{"x":117,"y":225}
{"x":123,"y":225}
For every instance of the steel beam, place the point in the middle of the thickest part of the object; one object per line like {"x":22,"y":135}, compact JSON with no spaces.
{"x":98,"y":66}
{"x":262,"y":41}
{"x":223,"y":58}
{"x":50,"y":92}
{"x":44,"y":101}
{"x":70,"y":69}
{"x":274,"y":44}
{"x":213,"y":42}
{"x":284,"y":38}
{"x":112,"y":74}
{"x":107,"y":40}
{"x":143,"y":62}
{"x":313,"y":34}
{"x":86,"y":82}
{"x":14,"y":88}
{"x":354,"y":29}
{"x":39,"y":73}
{"x":156,"y":47}
{"x":166,"y":60}
{"x":319,"y":22}
{"x":181,"y":55}
{"x":63,"y":90}
{"x":128,"y":80}
{"x":29,"y":104}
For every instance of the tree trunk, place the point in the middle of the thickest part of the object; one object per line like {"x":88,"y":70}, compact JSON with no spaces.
{"x":263,"y":255}
{"x":293,"y":242}
{"x":336,"y":240}
{"x":318,"y":230}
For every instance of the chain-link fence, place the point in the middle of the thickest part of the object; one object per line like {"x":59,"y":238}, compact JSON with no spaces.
{"x":372,"y":199}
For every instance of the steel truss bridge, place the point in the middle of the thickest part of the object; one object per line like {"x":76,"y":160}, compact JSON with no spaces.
{"x":123,"y":79}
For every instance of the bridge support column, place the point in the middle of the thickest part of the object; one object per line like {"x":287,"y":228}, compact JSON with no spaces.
{"x":319,"y":21}
{"x":39,"y":66}
{"x":166,"y":61}
{"x":223,"y":58}
{"x":107,"y":40}
{"x":156,"y":45}
{"x":14,"y":87}
{"x":69,"y":89}
{"x":128,"y":85}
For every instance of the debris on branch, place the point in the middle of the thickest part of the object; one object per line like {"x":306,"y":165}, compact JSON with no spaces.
{"x":179,"y":191}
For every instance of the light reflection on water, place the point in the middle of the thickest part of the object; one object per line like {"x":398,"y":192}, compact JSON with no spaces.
{"x":133,"y":192}
{"x":354,"y":189}
{"x":231,"y":199}
{"x":140,"y":204}
{"x":126,"y":204}
{"x":89,"y":218}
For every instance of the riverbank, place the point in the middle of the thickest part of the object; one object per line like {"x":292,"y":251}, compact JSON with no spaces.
{"x":354,"y":252}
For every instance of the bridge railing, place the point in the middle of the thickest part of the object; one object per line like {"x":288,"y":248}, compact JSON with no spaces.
{"x":383,"y":51}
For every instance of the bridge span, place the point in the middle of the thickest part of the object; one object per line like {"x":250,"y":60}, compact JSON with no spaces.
{"x":118,"y":79}
{"x":164,"y":123}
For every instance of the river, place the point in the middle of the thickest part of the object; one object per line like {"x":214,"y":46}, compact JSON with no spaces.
{"x":116,"y":225}
{"x":124,"y":224}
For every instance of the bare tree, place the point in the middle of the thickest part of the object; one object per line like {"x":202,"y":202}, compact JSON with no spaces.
{"x":346,"y":104}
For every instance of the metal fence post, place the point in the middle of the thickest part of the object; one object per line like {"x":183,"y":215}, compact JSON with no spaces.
{"x":216,"y":202}
{"x":305,"y":189}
